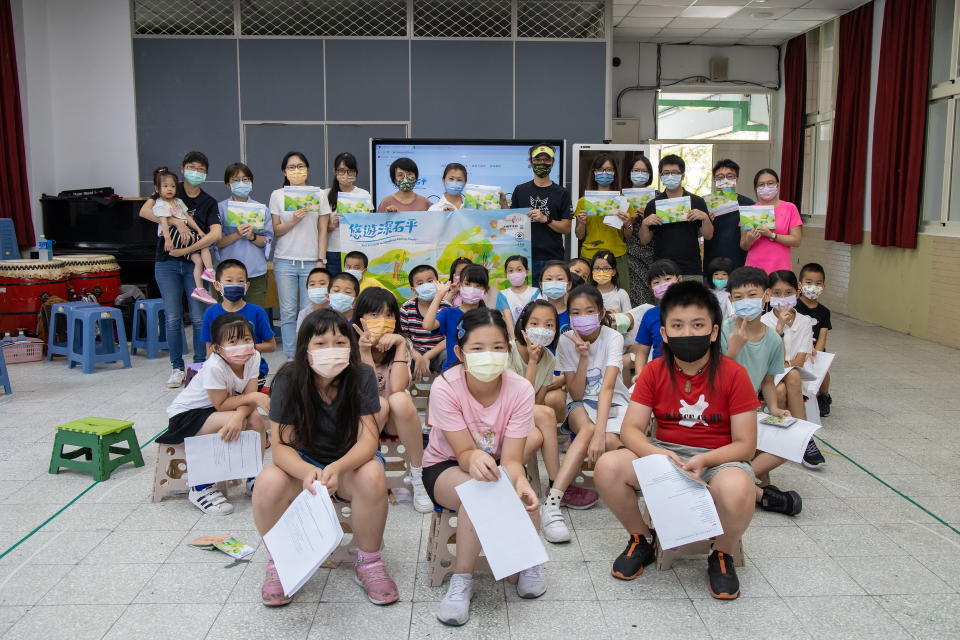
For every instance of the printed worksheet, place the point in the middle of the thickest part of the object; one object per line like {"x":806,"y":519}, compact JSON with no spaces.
{"x":786,"y":442}
{"x":212,"y":459}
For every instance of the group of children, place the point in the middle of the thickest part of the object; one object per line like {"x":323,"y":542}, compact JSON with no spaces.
{"x":515,"y":369}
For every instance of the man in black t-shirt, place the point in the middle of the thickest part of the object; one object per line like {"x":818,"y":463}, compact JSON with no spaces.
{"x":550,"y":209}
{"x":678,"y":241}
{"x":725,"y":242}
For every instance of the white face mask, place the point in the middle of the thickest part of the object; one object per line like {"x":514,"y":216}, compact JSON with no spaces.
{"x":541,"y":336}
{"x":328,"y":363}
{"x":486,"y":365}
{"x":811,"y":291}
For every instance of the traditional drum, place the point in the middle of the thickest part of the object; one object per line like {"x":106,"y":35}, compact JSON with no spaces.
{"x":24,"y":285}
{"x":96,"y":274}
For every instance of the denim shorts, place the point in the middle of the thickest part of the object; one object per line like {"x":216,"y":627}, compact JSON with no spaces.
{"x":686,"y":452}
{"x":306,"y":458}
{"x":613,"y":423}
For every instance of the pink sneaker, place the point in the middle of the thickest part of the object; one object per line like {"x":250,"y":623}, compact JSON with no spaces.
{"x":202,"y":296}
{"x":579,"y":498}
{"x":272,"y":591}
{"x":380,"y":587}
{"x":209,"y":275}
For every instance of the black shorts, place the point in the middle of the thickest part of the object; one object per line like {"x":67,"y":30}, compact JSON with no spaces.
{"x":431,"y":473}
{"x":185,"y":425}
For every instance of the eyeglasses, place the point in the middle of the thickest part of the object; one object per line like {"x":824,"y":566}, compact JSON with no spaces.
{"x":345,"y":172}
{"x":603,"y":269}
{"x":671,"y":173}
{"x":725,"y":176}
{"x":766,"y":184}
{"x":294,"y":167}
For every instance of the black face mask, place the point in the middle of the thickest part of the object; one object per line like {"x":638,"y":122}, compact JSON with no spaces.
{"x":689,"y":348}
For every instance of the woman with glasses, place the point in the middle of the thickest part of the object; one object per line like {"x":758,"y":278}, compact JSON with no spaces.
{"x":344,"y":180}
{"x":300,"y":244}
{"x":595,"y":232}
{"x":244,"y":242}
{"x":770,"y":249}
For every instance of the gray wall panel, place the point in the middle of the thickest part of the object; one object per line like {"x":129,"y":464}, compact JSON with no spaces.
{"x":281,"y":79}
{"x":462,"y":89}
{"x":198,"y":111}
{"x":268,"y":143}
{"x":356,"y":140}
{"x":367,"y":80}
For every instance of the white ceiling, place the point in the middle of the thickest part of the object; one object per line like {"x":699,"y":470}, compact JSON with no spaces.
{"x":702,"y":21}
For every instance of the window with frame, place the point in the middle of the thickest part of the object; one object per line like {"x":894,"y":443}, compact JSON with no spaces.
{"x":940,"y":203}
{"x":821,"y":92}
{"x":713,"y":116}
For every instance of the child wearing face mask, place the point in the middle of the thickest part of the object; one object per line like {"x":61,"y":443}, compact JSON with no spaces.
{"x":482,"y":416}
{"x":579,"y":268}
{"x":663,"y":274}
{"x":344,"y":289}
{"x":222,"y":398}
{"x":355,"y":263}
{"x":535,"y":336}
{"x":453,"y":293}
{"x":606,"y":278}
{"x":555,"y":284}
{"x":705,"y":408}
{"x":512,"y":300}
{"x":590,"y":357}
{"x":318,"y":293}
{"x":324,"y":411}
{"x":474,"y":283}
{"x":384,"y":348}
{"x":231,"y":283}
{"x":812,"y":281}
{"x":454,"y":180}
{"x":244,"y":242}
{"x":716,"y":278}
{"x":429,"y":347}
{"x":745,"y":338}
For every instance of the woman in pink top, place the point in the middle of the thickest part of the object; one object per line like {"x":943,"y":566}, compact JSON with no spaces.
{"x":482,"y":418}
{"x":404,"y":173}
{"x":770,"y":249}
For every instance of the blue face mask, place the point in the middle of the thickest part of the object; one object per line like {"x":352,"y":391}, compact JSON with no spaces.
{"x":233,"y":292}
{"x":671,"y":181}
{"x":748,"y":308}
{"x":341,"y":302}
{"x":603,"y":178}
{"x":356,"y":273}
{"x":194,"y":177}
{"x":241,"y":189}
{"x":427,"y":291}
{"x":554,"y":289}
{"x":317,"y":295}
{"x":719,"y":283}
{"x":639,"y":178}
{"x":453,"y":187}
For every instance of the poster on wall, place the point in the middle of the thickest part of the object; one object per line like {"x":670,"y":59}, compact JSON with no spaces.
{"x":394,"y":243}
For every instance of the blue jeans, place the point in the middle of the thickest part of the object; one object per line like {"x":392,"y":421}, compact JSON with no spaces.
{"x":537,"y":269}
{"x":291,"y":277}
{"x":333,"y":262}
{"x":175,"y":280}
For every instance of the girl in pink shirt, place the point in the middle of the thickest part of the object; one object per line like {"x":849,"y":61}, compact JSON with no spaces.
{"x":482,"y":417}
{"x":770,"y":249}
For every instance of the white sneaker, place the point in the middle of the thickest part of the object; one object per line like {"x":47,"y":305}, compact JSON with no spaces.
{"x":176,"y":378}
{"x":552,"y":524}
{"x":211,"y":501}
{"x":532,"y":582}
{"x":421,"y":501}
{"x":454,"y":609}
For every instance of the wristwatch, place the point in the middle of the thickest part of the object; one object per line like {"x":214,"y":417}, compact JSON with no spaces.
{"x":323,"y":260}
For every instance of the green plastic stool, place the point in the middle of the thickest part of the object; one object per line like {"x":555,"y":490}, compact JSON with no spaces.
{"x":95,"y":438}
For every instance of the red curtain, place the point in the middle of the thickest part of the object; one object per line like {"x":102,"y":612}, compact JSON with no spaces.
{"x":14,"y":195}
{"x":791,"y":157}
{"x":900,"y":117}
{"x":848,"y":158}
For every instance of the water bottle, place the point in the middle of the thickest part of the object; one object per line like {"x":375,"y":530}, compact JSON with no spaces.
{"x":21,"y":337}
{"x":45,"y":249}
{"x":7,"y":338}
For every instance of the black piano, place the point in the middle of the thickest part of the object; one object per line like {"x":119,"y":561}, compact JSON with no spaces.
{"x":110,"y":225}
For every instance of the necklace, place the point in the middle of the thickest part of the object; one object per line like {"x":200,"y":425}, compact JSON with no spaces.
{"x":688,"y":387}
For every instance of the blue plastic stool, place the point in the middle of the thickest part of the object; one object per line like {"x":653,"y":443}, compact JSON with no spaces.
{"x":87,"y":348}
{"x":63,"y":310}
{"x":4,"y":376}
{"x":149,"y":330}
{"x":8,"y":240}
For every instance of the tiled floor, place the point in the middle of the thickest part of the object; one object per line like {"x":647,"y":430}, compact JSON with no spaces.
{"x":859,"y":562}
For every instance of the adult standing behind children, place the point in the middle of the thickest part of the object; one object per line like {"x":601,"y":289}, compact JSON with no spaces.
{"x":770,"y":249}
{"x":404,"y":174}
{"x":244,"y":242}
{"x":550,"y":205}
{"x":678,"y":241}
{"x":640,"y":256}
{"x":174,"y":271}
{"x":344,"y":181}
{"x":298,"y":248}
{"x":595,"y":233}
{"x":725,"y":242}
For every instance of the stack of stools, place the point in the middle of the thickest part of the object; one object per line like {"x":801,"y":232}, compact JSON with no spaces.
{"x":440,"y":558}
{"x":95,"y":439}
{"x":62,"y":312}
{"x":91,"y":338}
{"x":666,"y":557}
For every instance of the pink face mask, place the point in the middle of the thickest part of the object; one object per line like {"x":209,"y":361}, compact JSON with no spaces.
{"x":471,"y":295}
{"x":660,"y":289}
{"x":768,"y":193}
{"x":237,"y":354}
{"x":329,"y":362}
{"x":517,"y":278}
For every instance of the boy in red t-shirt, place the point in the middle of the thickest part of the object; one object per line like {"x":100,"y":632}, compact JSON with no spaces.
{"x":705,"y":408}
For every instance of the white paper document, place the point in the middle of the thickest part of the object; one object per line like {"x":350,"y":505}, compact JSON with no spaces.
{"x":211,"y":459}
{"x":681,"y":508}
{"x":613,"y":221}
{"x":818,"y":369}
{"x":805,"y":375}
{"x":786,"y":442}
{"x":303,"y":538}
{"x":503,"y":525}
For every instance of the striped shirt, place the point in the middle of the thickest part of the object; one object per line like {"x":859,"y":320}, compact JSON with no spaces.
{"x":411,"y":323}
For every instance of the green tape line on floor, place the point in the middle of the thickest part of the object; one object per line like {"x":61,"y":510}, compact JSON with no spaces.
{"x":889,"y":486}
{"x":65,"y":507}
